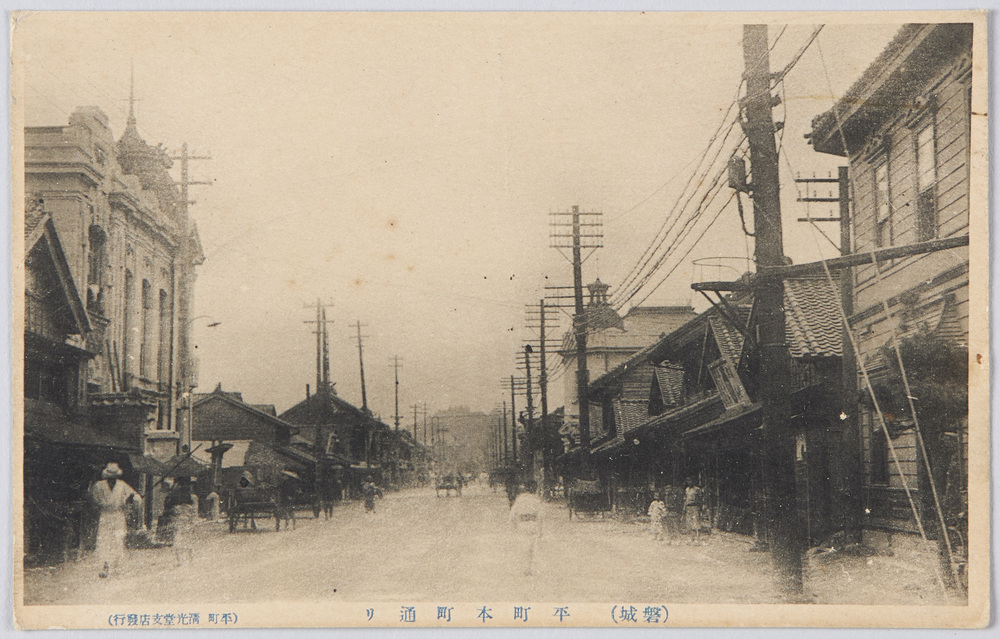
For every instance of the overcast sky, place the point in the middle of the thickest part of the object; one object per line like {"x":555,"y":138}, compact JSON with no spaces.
{"x":403,"y":167}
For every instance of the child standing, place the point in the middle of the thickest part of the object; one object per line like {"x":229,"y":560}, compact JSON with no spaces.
{"x":692,"y":508}
{"x":657,"y":511}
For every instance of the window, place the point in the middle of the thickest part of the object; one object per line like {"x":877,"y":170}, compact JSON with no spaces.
{"x":146,"y":352}
{"x":883,"y":208}
{"x":97,"y":263}
{"x":728,"y":383}
{"x":879,"y":454}
{"x":926,"y":181}
{"x":164,"y":323}
{"x":128,"y":348}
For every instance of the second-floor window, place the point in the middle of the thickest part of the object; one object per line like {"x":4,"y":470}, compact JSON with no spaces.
{"x":926,"y":182}
{"x":728,"y":383}
{"x":97,"y":264}
{"x":883,"y":207}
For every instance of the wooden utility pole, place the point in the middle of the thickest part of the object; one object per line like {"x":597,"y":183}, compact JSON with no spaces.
{"x":513,"y":421}
{"x":851,"y":471}
{"x":527,"y":373}
{"x":395,"y":366}
{"x":580,"y":333}
{"x":415,"y":440}
{"x":361,"y":362}
{"x":425,"y":424}
{"x":505,"y":444}
{"x":323,"y":384}
{"x":180,"y":328}
{"x":543,"y":379}
{"x":778,"y":446}
{"x":845,"y":460}
{"x":578,"y":242}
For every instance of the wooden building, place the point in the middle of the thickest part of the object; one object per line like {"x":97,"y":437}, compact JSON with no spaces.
{"x":905,"y":129}
{"x":688,"y":406}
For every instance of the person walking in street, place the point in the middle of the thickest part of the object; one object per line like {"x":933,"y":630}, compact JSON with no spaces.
{"x":657,"y":511}
{"x":370,"y":491}
{"x":113,"y":498}
{"x":692,"y":509}
{"x":511,"y":485}
{"x":526,"y":518}
{"x":673,"y":501}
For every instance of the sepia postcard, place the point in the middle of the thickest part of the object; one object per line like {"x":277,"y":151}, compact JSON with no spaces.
{"x":486,"y":319}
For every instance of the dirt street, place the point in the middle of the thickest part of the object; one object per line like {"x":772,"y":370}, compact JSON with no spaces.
{"x":421,"y":547}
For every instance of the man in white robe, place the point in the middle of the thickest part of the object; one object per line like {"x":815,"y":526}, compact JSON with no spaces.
{"x":114,"y":498}
{"x":526,"y":518}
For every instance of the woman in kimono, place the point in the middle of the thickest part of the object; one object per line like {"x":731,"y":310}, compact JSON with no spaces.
{"x":113,"y":498}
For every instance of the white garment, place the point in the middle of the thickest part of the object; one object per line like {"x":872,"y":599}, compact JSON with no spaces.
{"x":526,"y":513}
{"x":111,"y":530}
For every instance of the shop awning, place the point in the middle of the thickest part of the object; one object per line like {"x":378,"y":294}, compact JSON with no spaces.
{"x":728,"y":417}
{"x":56,"y":428}
{"x":177,"y":466}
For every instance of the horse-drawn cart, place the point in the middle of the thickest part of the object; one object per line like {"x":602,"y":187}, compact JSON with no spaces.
{"x":247,"y":504}
{"x":587,"y":497}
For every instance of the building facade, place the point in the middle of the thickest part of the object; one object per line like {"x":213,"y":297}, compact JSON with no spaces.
{"x":905,"y":129}
{"x":129,"y":251}
{"x":687,"y":408}
{"x":132,"y":250}
{"x":611,"y":340}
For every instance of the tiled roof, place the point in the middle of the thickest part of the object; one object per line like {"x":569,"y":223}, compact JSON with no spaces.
{"x":727,"y":336}
{"x":670,"y":381}
{"x":266,"y":408}
{"x":812,"y":318}
{"x":630,"y":414}
{"x":635,"y":384}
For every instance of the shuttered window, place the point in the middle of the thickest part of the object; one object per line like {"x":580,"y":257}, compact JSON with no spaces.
{"x":926,"y":180}
{"x":883,"y":210}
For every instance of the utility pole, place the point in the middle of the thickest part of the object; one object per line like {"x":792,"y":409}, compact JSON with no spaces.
{"x":542,"y":464}
{"x":498,"y":441}
{"x":395,"y":366}
{"x":504,"y":425}
{"x":543,"y":379}
{"x":513,"y":421}
{"x":361,"y":362}
{"x":323,"y":384}
{"x":425,"y":424}
{"x":415,"y":440}
{"x":186,"y":182}
{"x":323,"y":388}
{"x":527,"y":372}
{"x":183,"y":274}
{"x":852,"y":470}
{"x":579,"y":241}
{"x":778,"y":444}
{"x":845,"y":461}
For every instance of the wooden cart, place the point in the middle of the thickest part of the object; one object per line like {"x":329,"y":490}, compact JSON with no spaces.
{"x":449,"y":483}
{"x":248,"y":504}
{"x":587,"y":497}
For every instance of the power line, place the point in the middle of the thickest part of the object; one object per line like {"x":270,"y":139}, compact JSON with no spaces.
{"x":628,"y":288}
{"x":707,"y":199}
{"x":686,"y":253}
{"x":653,"y":246}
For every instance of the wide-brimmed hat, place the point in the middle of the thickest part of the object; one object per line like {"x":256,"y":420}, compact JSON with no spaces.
{"x":111,"y":471}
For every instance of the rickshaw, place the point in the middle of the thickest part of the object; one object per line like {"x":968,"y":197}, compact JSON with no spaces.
{"x":448,"y":483}
{"x":587,"y":497}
